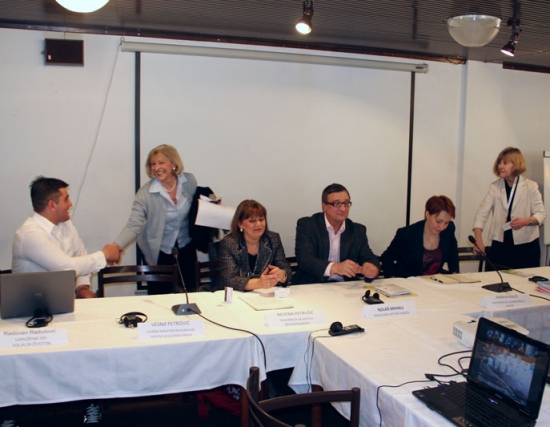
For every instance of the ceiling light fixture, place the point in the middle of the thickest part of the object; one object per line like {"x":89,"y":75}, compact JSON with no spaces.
{"x":510,"y":47}
{"x":303,"y":26}
{"x":474,"y":30}
{"x":82,"y":6}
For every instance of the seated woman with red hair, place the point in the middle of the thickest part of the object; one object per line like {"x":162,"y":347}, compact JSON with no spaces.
{"x":424,"y":247}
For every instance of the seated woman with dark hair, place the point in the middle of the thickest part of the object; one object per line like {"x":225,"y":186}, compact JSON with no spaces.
{"x":251,"y":256}
{"x":424,"y":247}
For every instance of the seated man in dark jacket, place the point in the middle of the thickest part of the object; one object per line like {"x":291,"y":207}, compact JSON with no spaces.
{"x":331,"y":247}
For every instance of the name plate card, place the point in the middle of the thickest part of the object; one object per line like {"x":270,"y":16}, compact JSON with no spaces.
{"x":392,"y":309}
{"x":33,"y":338}
{"x":294,"y":318}
{"x":282,"y":292}
{"x":506,"y":301}
{"x":170,"y":329}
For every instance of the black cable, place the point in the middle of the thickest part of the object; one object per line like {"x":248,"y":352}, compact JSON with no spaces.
{"x":449,"y":366}
{"x":310,"y":365}
{"x":40,"y":319}
{"x":240,"y":330}
{"x":460,"y":364}
{"x":430,"y":378}
{"x":531,"y":295}
{"x":393,"y":386}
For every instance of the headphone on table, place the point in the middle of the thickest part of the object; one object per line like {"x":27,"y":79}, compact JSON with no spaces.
{"x":131,"y":320}
{"x":374,"y":299}
{"x":336,"y":327}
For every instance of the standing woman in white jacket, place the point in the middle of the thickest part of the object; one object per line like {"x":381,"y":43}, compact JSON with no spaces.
{"x":518,"y":212}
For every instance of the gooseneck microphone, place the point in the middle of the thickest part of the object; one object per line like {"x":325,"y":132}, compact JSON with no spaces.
{"x":495,"y":287}
{"x":183,"y":309}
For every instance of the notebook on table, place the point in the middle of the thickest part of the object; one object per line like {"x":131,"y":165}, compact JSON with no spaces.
{"x":391,"y":289}
{"x":505,"y":382}
{"x":22,"y":293}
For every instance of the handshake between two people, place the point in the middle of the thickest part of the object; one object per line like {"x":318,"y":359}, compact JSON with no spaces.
{"x":112,"y":253}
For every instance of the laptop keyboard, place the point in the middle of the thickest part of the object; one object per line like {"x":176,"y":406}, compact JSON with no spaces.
{"x":478,"y":413}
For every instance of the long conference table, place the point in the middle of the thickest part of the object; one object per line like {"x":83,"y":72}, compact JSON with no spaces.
{"x":102,"y":359}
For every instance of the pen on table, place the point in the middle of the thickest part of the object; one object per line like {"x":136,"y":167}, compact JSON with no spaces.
{"x":436,"y":279}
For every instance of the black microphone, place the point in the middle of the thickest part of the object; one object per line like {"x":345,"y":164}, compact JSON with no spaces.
{"x":495,"y":287}
{"x":183,"y":309}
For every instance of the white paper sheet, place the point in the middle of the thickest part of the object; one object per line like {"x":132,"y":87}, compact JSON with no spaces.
{"x":214,"y":215}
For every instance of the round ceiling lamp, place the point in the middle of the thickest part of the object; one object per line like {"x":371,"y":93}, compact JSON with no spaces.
{"x":82,"y":6}
{"x":473,"y":30}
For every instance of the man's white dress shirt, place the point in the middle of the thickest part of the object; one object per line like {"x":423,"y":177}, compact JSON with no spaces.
{"x":40,"y":245}
{"x":334,"y":253}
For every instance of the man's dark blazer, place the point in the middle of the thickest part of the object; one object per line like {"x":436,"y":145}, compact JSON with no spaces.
{"x":404,"y":256}
{"x":313,"y":246}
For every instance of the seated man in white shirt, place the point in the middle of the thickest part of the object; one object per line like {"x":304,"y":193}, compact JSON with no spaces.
{"x":48,"y":240}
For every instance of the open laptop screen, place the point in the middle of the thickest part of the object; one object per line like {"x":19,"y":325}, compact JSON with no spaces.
{"x":22,"y":293}
{"x":511,"y":365}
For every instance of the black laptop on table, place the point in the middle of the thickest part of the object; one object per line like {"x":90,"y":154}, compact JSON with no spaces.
{"x":505,"y":382}
{"x":23,"y":293}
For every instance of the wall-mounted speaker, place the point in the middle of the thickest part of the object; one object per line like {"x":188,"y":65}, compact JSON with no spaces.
{"x":64,"y":52}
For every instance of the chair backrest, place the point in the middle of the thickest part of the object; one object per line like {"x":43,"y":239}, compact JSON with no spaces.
{"x":467,"y":254}
{"x":259,"y":409}
{"x":293,"y":261}
{"x":206,"y":275}
{"x":138,"y":274}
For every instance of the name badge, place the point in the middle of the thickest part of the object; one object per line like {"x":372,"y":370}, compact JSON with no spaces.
{"x":392,"y":309}
{"x":33,"y":338}
{"x":506,"y":301}
{"x":294,"y":318}
{"x":170,"y":329}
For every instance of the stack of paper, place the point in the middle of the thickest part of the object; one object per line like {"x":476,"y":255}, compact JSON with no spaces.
{"x":544,"y":286}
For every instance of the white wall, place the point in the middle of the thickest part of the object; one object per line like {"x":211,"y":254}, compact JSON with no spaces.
{"x":503,"y":108}
{"x":53,"y":125}
{"x":51,"y":116}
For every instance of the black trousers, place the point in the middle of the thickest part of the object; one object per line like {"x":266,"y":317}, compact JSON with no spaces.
{"x":187,"y":257}
{"x":506,"y":255}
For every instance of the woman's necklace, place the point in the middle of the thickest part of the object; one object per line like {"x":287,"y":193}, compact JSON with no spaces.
{"x":173,"y":186}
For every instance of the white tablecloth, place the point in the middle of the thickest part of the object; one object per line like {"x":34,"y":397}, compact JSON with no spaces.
{"x":396,"y":350}
{"x":103,"y":359}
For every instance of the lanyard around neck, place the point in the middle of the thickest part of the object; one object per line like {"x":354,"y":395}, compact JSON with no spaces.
{"x":512,"y":193}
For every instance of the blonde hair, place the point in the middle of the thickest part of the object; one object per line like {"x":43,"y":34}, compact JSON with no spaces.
{"x":511,"y":154}
{"x":169,"y":152}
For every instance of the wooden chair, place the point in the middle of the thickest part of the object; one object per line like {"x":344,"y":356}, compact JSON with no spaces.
{"x":259,"y":409}
{"x":467,"y":254}
{"x":206,"y":275}
{"x":137,"y":274}
{"x":293,"y":261}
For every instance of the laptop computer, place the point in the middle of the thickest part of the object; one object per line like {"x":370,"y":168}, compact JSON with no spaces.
{"x":505,"y":382}
{"x":22,"y":293}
